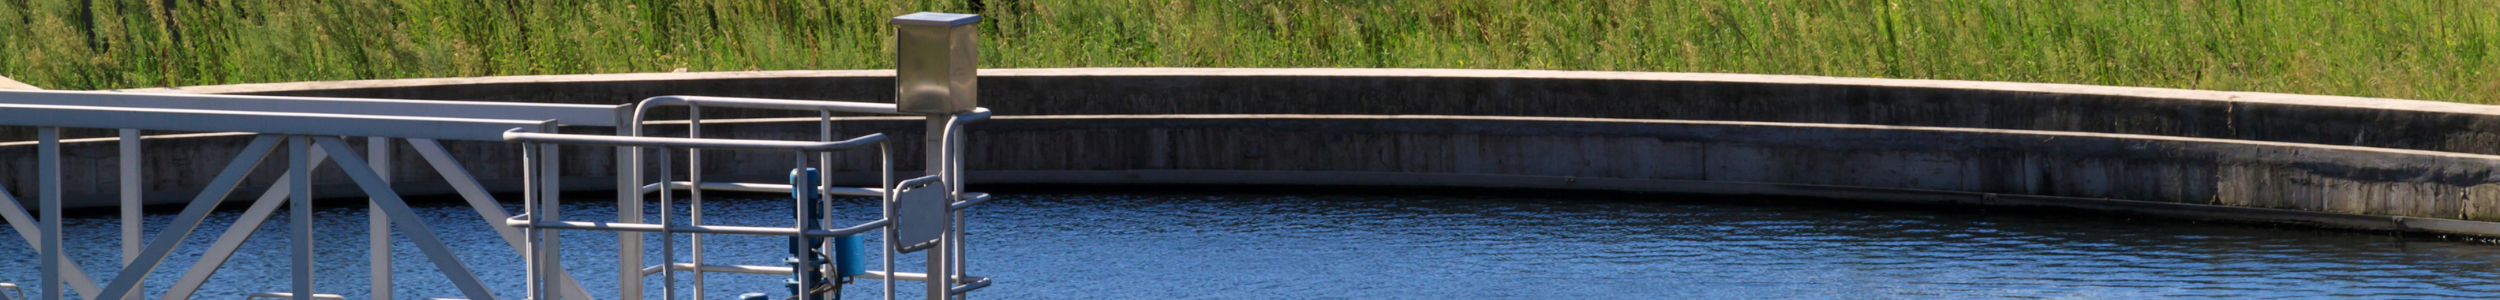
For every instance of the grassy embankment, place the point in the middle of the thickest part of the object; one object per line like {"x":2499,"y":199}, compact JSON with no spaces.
{"x":2430,"y":49}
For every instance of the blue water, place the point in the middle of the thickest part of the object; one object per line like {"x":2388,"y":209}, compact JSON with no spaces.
{"x":1258,"y":246}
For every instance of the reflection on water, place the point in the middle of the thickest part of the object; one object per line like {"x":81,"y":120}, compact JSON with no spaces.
{"x":1052,"y":246}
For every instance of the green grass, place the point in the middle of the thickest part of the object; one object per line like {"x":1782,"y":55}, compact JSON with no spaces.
{"x":2427,"y":49}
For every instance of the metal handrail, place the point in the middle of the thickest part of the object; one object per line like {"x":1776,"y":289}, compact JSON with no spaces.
{"x":917,"y":182}
{"x":763,"y":188}
{"x":977,"y":281}
{"x":77,"y":116}
{"x":970,"y":199}
{"x":279,"y":295}
{"x":519,"y":135}
{"x":949,"y":163}
{"x":764,"y":103}
{"x":765,"y":270}
{"x":825,"y":109}
{"x":567,"y":114}
{"x":523,"y":222}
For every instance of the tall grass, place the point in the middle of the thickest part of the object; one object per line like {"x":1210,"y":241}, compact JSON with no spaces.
{"x":2429,"y":49}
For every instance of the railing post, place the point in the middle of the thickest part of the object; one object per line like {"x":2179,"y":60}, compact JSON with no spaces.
{"x":550,"y":178}
{"x":629,"y":248}
{"x":694,"y":201}
{"x":130,"y":199}
{"x":668,"y":240}
{"x":533,"y":255}
{"x":299,"y":163}
{"x":48,"y":190}
{"x":378,"y":224}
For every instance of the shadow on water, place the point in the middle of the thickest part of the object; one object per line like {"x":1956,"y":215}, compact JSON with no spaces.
{"x":1295,"y":242}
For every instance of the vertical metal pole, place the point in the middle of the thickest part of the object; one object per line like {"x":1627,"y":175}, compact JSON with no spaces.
{"x":694,"y":195}
{"x":551,"y":189}
{"x":824,"y":171}
{"x":628,"y":210}
{"x":378,"y":223}
{"x":299,"y":162}
{"x":668,"y":239}
{"x":885,"y":182}
{"x":955,"y":193}
{"x":48,"y":190}
{"x":936,"y":163}
{"x":131,"y":218}
{"x":534,"y":270}
{"x":804,"y":272}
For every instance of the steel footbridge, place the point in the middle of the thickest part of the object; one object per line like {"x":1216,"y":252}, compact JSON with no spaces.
{"x":916,"y":215}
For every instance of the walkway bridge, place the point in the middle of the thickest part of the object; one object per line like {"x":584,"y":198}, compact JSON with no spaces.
{"x":935,"y":81}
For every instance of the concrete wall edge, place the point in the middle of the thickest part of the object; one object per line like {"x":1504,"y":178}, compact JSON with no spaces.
{"x":2149,"y":92}
{"x":1848,"y":193}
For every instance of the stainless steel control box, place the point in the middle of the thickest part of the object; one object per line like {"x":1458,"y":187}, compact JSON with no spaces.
{"x":935,"y":56}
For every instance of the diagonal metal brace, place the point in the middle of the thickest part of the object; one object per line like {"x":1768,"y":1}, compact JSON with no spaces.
{"x":16,"y":215}
{"x":200,"y":206}
{"x":471,"y":192}
{"x":242,"y":230}
{"x":415,"y":227}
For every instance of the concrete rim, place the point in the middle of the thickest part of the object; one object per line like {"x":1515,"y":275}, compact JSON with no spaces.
{"x":2057,"y":88}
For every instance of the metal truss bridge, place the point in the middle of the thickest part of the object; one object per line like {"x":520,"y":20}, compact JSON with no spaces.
{"x":923,"y":214}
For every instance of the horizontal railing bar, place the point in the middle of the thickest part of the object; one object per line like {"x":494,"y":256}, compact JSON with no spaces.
{"x":262,"y":122}
{"x":781,"y":104}
{"x":117,"y":139}
{"x":521,"y":221}
{"x":763,"y":188}
{"x":519,"y":136}
{"x":277,"y":295}
{"x":922,"y":277}
{"x":972,"y":199}
{"x":766,"y":270}
{"x":977,"y":283}
{"x":917,"y":182}
{"x":977,"y":114}
{"x":903,"y":276}
{"x":565,"y":114}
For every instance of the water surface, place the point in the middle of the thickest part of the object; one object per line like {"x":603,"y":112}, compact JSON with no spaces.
{"x":1258,"y":246}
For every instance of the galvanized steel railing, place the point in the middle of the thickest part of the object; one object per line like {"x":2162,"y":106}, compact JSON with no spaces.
{"x":311,"y":131}
{"x":934,"y":79}
{"x":312,"y":138}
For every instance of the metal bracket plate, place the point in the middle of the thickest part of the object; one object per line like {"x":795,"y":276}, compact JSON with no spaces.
{"x":920,"y":217}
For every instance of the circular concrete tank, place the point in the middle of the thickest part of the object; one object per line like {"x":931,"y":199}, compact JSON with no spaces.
{"x":2333,"y":161}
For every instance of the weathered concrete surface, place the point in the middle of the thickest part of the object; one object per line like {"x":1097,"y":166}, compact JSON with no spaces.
{"x":2332,"y":120}
{"x":2354,"y":186}
{"x":10,"y":84}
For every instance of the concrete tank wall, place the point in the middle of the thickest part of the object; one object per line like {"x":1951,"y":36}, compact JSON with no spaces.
{"x":1911,"y":164}
{"x":2245,"y":156}
{"x":2330,"y":120}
